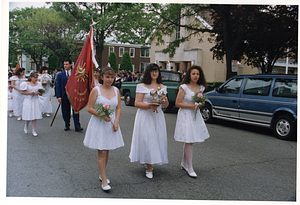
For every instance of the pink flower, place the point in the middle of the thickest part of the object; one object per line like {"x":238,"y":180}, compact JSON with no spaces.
{"x":106,"y":106}
{"x":200,"y":95}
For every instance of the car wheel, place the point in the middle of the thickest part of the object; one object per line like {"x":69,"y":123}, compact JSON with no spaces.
{"x":206,"y":113}
{"x":284,"y":127}
{"x":127,"y":99}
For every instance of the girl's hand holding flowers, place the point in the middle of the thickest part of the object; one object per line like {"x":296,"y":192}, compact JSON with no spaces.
{"x":199,"y":101}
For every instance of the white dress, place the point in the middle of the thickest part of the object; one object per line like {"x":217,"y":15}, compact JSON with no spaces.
{"x":100,"y":135}
{"x":45,"y":106}
{"x":18,"y":98}
{"x":9,"y":101}
{"x":149,"y":138}
{"x":188,"y":129}
{"x":31,"y":104}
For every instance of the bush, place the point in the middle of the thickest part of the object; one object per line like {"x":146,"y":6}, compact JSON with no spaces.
{"x":112,"y":60}
{"x":126,"y":63}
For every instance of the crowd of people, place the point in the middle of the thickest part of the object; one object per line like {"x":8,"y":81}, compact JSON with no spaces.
{"x":103,"y":133}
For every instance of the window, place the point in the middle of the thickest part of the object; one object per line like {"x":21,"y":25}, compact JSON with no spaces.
{"x":258,"y":86}
{"x":170,"y":76}
{"x":285,"y":88}
{"x":111,"y":49}
{"x":132,"y":52}
{"x":121,"y":51}
{"x":145,"y":53}
{"x":233,"y":86}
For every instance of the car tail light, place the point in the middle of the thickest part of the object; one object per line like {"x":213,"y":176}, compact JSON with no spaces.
{"x":176,"y":92}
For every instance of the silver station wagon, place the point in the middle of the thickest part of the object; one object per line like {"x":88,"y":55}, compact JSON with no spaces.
{"x":263,"y":100}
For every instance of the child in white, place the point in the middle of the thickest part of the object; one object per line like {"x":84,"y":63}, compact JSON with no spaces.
{"x":188,"y":128}
{"x":31,"y":105}
{"x":10,"y":101}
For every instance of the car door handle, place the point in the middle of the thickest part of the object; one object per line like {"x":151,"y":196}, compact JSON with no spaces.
{"x":235,"y":101}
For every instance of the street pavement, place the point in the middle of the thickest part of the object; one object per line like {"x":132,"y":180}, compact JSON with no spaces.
{"x":237,"y":163}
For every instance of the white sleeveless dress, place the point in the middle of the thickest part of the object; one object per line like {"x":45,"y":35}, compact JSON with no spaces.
{"x":188,"y":129}
{"x":149,"y":138}
{"x":31,"y":104}
{"x":100,"y":135}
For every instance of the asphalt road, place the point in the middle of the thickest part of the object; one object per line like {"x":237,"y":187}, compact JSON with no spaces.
{"x":238,"y":162}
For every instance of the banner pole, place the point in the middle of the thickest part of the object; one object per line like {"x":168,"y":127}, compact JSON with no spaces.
{"x":57,"y":109}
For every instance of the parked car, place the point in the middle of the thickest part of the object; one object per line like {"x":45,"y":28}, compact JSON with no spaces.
{"x":171,"y":79}
{"x":263,"y":100}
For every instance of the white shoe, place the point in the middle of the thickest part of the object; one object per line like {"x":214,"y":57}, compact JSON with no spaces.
{"x":106,"y":188}
{"x":34,"y":134}
{"x":107,"y":180}
{"x":47,"y":115}
{"x":19,"y":118}
{"x":183,"y":167}
{"x":192,"y":174}
{"x":10,"y":114}
{"x":149,"y":175}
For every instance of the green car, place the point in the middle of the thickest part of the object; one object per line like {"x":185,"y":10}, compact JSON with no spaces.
{"x":171,"y":79}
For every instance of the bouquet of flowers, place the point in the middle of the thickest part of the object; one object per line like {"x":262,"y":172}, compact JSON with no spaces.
{"x":42,"y":91}
{"x":199,"y":98}
{"x":155,"y":96}
{"x":103,"y":109}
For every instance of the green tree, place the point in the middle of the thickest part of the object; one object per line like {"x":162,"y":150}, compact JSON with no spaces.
{"x":112,"y":59}
{"x":38,"y":32}
{"x":123,"y":22}
{"x":21,"y":36}
{"x":126,"y":63}
{"x":272,"y":34}
{"x":53,"y":62}
{"x":229,"y":28}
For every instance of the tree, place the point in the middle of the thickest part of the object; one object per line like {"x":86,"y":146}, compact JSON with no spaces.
{"x":124,"y":22}
{"x":112,"y":60}
{"x":38,"y":32}
{"x":53,"y":62}
{"x":229,"y":30}
{"x":126,"y":63}
{"x":21,"y":36}
{"x":274,"y":35}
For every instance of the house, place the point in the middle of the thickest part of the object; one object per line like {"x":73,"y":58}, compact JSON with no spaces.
{"x":140,"y":54}
{"x":193,"y":52}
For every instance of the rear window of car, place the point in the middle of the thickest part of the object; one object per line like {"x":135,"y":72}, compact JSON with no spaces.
{"x":166,"y":76}
{"x":258,"y":86}
{"x":285,"y":88}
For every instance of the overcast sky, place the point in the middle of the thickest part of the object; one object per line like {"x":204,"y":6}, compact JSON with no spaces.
{"x":13,"y":5}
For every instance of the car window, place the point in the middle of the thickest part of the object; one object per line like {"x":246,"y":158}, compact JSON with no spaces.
{"x":233,"y":86}
{"x":166,"y":76}
{"x":285,"y":88}
{"x":258,"y":86}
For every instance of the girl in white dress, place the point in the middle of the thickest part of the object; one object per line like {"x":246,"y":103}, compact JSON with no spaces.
{"x":9,"y":101}
{"x":18,"y":98}
{"x":104,"y":135}
{"x":45,"y":99}
{"x":149,"y":138}
{"x":188,"y":129}
{"x":31,"y":105}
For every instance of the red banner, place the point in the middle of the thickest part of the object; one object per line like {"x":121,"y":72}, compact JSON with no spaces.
{"x":80,"y":82}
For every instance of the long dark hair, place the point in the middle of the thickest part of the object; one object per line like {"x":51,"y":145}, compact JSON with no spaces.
{"x":201,"y":80}
{"x":147,"y":76}
{"x":20,"y":70}
{"x":109,"y":71}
